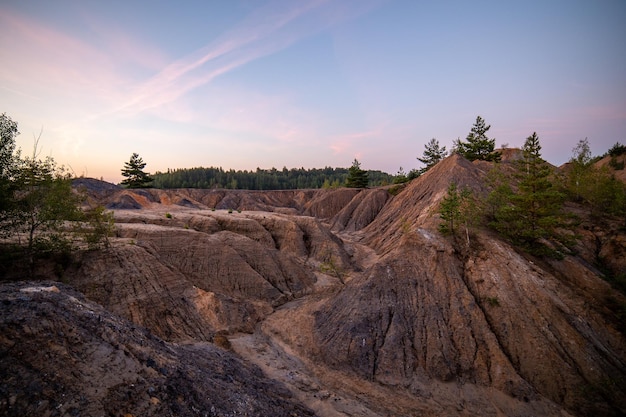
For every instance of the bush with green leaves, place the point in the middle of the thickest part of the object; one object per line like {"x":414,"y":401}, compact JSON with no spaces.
{"x":493,"y":301}
{"x":617,"y":149}
{"x":39,"y":210}
{"x":96,"y":227}
{"x":331,"y":267}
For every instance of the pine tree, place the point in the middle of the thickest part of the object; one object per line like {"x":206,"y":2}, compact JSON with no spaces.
{"x":499,"y":210}
{"x":477,"y":145}
{"x":538,"y":202}
{"x":357,"y":177}
{"x":432,"y":155}
{"x":133,"y":171}
{"x":457,"y":208}
{"x":449,"y":210}
{"x":533,"y":211}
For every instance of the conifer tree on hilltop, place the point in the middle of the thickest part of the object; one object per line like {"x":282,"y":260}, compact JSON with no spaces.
{"x":534,"y":211}
{"x":432,"y":155}
{"x":477,"y":144}
{"x":133,"y":171}
{"x":538,"y":202}
{"x":357,"y":177}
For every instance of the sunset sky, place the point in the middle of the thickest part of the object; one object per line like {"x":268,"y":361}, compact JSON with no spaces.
{"x":251,"y":83}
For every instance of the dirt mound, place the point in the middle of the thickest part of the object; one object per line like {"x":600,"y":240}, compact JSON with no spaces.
{"x":487,"y":316}
{"x":321,"y":204}
{"x":94,"y":186}
{"x":65,"y":355}
{"x":615,"y":165}
{"x":418,"y":203}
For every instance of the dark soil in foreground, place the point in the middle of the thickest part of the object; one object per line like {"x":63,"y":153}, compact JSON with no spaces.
{"x":80,"y":360}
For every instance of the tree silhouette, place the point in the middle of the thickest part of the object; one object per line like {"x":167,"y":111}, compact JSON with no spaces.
{"x":432,"y":155}
{"x":457,"y":208}
{"x":478,"y":145}
{"x":357,"y":177}
{"x":133,"y":171}
{"x":534,"y":210}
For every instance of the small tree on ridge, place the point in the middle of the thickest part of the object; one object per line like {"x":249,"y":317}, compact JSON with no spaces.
{"x":357,"y":177}
{"x":477,"y":145}
{"x":432,"y":155}
{"x":133,"y":171}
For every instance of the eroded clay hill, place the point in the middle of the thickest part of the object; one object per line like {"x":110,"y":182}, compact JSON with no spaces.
{"x":356,"y":303}
{"x":63,"y":355}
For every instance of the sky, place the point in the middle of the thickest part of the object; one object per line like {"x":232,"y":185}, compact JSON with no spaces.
{"x":243,"y":84}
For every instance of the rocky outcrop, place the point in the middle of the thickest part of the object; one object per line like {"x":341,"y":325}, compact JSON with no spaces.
{"x":361,"y":210}
{"x":404,"y":320}
{"x":195,"y":273}
{"x":481,"y":314}
{"x":352,"y":208}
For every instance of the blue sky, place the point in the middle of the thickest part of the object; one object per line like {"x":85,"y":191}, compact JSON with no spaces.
{"x":253,"y":83}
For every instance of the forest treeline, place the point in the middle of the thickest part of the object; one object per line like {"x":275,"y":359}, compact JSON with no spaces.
{"x":261,"y":179}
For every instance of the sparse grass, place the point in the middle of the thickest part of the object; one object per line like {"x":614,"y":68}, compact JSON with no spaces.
{"x":493,"y":301}
{"x":222,"y":341}
{"x":406,"y":227}
{"x":396,"y":189}
{"x":618,"y":166}
{"x":330,"y":267}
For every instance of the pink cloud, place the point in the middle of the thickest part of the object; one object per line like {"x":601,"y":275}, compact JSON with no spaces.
{"x":39,"y":60}
{"x":267,"y":30}
{"x":257,"y":36}
{"x":342,"y":143}
{"x":604,"y":112}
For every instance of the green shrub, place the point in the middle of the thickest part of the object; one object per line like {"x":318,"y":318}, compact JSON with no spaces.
{"x":168,"y":215}
{"x":617,"y":149}
{"x":333,"y":268}
{"x":395,"y":190}
{"x":493,"y":301}
{"x":618,"y":166}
